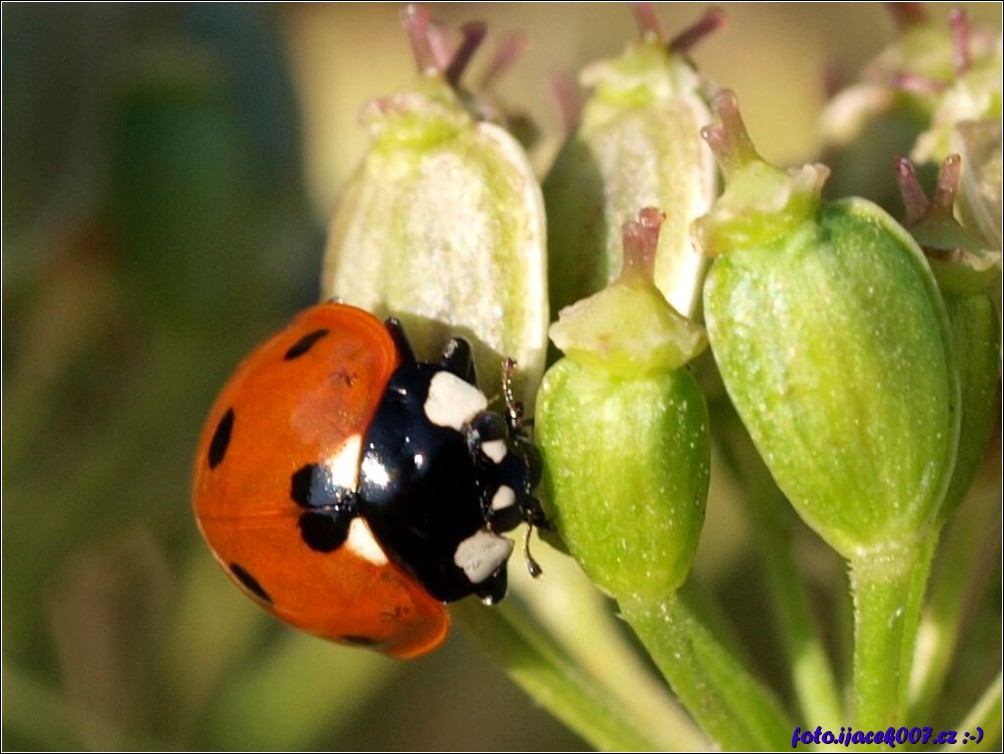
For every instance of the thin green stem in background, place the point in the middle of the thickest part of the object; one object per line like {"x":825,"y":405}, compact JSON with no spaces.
{"x":884,"y":584}
{"x":45,"y":715}
{"x":579,"y":618}
{"x":811,"y":671}
{"x":735,"y":710}
{"x":812,"y":674}
{"x":967,"y":552}
{"x":913,"y":605}
{"x":535,"y":662}
{"x":986,"y":714}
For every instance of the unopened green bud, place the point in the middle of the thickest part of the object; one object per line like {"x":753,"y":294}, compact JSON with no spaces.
{"x":966,"y":273}
{"x":443,"y":225}
{"x":835,"y":348}
{"x":636,"y":146}
{"x":623,"y":430}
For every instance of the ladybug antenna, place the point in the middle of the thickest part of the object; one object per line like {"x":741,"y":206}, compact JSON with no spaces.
{"x":513,"y":407}
{"x":532,"y":566}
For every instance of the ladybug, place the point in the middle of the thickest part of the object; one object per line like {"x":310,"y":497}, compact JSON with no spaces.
{"x":352,"y":490}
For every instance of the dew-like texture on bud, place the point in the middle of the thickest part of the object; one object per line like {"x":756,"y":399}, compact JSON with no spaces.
{"x":834,"y":346}
{"x":443,"y":227}
{"x":637,"y":145}
{"x":626,"y":469}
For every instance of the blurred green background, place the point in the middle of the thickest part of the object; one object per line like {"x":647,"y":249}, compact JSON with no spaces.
{"x":167,"y":174}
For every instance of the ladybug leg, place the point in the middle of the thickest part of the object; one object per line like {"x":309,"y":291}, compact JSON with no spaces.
{"x":457,"y":358}
{"x":400,"y":338}
{"x":486,"y":439}
{"x":531,"y":458}
{"x":493,"y":589}
{"x":503,"y":510}
{"x":532,"y":512}
{"x":512,"y":504}
{"x":483,"y":557}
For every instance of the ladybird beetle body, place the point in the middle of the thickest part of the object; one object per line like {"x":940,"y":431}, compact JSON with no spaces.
{"x":352,"y":490}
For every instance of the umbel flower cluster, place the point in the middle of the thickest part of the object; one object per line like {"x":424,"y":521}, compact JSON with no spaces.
{"x":705,"y":307}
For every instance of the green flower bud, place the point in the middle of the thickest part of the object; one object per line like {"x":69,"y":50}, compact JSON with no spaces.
{"x":636,"y":146}
{"x":965,"y":273}
{"x":623,"y":430}
{"x":834,"y":346}
{"x":443,"y":225}
{"x":931,"y":83}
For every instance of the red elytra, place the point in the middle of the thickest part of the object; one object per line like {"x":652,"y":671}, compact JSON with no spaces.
{"x":308,"y":393}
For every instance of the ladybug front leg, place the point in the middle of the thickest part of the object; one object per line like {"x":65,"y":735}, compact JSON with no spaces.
{"x":492,"y":590}
{"x":458,"y":358}
{"x":400,"y":338}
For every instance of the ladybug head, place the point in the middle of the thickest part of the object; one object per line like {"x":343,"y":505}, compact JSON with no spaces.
{"x":442,"y":476}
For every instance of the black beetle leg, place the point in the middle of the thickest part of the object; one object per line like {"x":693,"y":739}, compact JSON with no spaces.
{"x":400,"y":338}
{"x":458,"y":358}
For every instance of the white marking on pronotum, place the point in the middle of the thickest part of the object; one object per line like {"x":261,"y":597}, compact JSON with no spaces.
{"x":343,"y":464}
{"x":481,"y":554}
{"x":362,"y":542}
{"x":494,"y":449}
{"x":503,"y":498}
{"x":453,"y":402}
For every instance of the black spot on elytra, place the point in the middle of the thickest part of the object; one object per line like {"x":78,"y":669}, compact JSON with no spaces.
{"x":325,"y":531}
{"x":304,"y":344}
{"x":331,"y":507}
{"x":250,"y":582}
{"x":312,"y":487}
{"x":221,"y":439}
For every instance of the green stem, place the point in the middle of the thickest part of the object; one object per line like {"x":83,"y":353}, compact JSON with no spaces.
{"x":735,"y":710}
{"x":574,"y":613}
{"x":555,"y":682}
{"x":926,"y":550}
{"x":885,"y":584}
{"x":968,"y":549}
